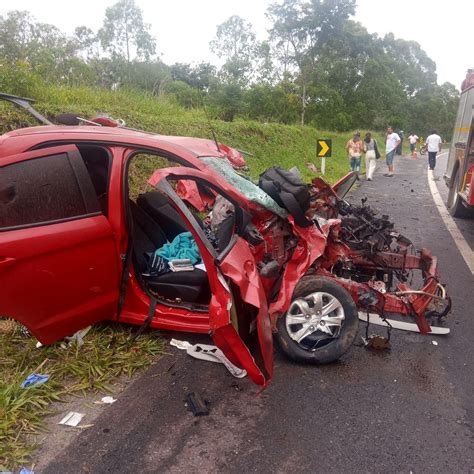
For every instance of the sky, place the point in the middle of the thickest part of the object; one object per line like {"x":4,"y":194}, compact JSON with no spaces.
{"x":183,"y":28}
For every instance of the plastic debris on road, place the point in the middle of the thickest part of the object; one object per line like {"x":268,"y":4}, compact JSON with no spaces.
{"x":197,"y":405}
{"x":435,"y":343}
{"x":108,"y":400}
{"x":78,"y":337}
{"x":34,"y":380}
{"x":73,"y":418}
{"x":209,"y":353}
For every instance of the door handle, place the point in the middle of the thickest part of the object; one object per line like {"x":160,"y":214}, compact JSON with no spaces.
{"x":6,"y":261}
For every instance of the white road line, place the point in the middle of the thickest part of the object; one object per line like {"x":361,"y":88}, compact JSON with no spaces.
{"x":459,"y":240}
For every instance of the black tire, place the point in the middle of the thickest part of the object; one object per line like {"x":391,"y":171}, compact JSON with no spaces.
{"x":455,"y":205}
{"x":318,"y":347}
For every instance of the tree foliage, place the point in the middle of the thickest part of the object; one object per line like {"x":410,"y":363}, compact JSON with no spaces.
{"x":125,"y":34}
{"x":317,"y":66}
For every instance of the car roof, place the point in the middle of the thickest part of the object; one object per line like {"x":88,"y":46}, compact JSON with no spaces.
{"x":24,"y":139}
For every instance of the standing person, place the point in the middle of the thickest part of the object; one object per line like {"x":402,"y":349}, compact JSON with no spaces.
{"x":371,"y":154}
{"x":413,"y":139}
{"x":433,"y":142}
{"x":400,"y":145}
{"x":392,"y":140}
{"x":354,"y":148}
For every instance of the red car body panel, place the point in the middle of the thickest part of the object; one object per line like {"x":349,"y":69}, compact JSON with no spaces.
{"x":62,"y":277}
{"x":310,"y":247}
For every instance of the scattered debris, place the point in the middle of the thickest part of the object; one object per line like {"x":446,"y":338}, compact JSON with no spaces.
{"x":34,"y":380}
{"x":73,"y":418}
{"x":108,"y":400}
{"x":374,"y":341}
{"x":312,"y":168}
{"x":10,"y":327}
{"x":209,"y":353}
{"x":435,"y":343}
{"x":197,"y":405}
{"x":78,"y":337}
{"x":236,"y":386}
{"x":404,"y":326}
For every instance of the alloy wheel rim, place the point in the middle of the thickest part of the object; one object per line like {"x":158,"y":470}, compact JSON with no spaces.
{"x":314,"y":320}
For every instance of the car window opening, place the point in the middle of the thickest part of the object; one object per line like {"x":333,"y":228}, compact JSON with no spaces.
{"x":165,"y":255}
{"x":97,"y":161}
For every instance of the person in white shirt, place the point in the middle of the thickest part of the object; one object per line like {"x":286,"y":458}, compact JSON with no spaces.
{"x":391,"y":142}
{"x":433,"y":142}
{"x":413,"y":139}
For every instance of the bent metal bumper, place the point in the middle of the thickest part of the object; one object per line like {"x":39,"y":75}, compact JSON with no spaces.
{"x":418,"y":303}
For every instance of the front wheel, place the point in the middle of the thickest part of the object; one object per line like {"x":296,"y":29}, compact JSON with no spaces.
{"x":321,"y":323}
{"x":455,"y":205}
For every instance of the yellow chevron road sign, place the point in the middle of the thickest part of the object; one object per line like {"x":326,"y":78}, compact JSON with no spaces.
{"x":324,"y":147}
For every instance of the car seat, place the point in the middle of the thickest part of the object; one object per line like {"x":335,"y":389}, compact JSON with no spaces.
{"x":148,"y":236}
{"x":157,"y":206}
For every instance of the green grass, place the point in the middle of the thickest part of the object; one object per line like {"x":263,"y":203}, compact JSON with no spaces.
{"x":107,"y":353}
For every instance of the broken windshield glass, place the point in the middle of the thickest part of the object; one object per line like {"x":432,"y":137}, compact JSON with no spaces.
{"x":244,"y":185}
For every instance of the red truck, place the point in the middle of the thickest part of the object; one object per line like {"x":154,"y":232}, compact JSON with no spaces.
{"x":459,"y":175}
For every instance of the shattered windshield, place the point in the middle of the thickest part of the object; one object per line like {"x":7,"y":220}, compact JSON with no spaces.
{"x":245,"y":186}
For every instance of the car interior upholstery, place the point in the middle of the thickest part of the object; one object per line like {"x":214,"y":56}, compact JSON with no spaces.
{"x":148,"y":236}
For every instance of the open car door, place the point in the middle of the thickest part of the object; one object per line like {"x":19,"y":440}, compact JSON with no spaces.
{"x":344,"y":185}
{"x":243,"y":334}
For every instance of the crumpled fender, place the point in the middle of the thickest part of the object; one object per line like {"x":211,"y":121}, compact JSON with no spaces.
{"x":233,"y":156}
{"x":311,"y":246}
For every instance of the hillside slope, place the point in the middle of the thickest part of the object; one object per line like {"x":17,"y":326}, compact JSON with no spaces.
{"x":270,"y":144}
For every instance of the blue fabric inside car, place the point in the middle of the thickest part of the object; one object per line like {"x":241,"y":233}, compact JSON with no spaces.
{"x":148,"y":236}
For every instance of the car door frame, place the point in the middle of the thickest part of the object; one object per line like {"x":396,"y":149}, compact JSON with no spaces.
{"x":237,"y":263}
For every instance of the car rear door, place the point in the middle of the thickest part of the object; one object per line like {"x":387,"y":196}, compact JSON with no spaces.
{"x":58,"y":262}
{"x":237,"y":263}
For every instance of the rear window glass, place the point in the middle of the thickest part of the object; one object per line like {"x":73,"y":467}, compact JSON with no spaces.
{"x":39,"y":190}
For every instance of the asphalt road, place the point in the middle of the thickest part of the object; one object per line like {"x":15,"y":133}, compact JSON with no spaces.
{"x":410,"y":410}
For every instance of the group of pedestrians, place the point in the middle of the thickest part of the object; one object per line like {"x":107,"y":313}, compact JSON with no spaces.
{"x":356,"y":147}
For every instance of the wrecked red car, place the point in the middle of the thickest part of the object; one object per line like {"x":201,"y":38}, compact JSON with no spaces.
{"x":193,"y":246}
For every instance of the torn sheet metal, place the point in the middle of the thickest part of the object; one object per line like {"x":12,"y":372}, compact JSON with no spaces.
{"x":209,"y":353}
{"x":402,"y":325}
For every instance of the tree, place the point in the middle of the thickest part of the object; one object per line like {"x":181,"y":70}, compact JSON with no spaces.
{"x":16,"y":35}
{"x":301,"y":29}
{"x":409,"y":63}
{"x":235,"y":41}
{"x":125,"y":34}
{"x":87,"y":41}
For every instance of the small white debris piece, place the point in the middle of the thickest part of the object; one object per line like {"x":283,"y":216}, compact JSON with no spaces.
{"x":73,"y":418}
{"x":109,"y":400}
{"x":209,"y":353}
{"x":183,"y":345}
{"x":435,"y":343}
{"x":78,"y":336}
{"x":38,"y":345}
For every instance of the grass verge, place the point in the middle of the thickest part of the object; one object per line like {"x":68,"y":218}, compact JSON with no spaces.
{"x":107,"y":353}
